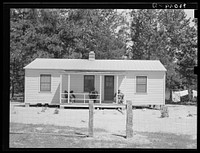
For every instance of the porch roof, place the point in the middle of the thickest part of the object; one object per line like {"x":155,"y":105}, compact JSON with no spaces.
{"x":96,"y":65}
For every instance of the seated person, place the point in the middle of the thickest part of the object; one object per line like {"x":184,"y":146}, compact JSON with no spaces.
{"x":120,"y":99}
{"x":93,"y":94}
{"x":72,"y":96}
{"x":66,"y":94}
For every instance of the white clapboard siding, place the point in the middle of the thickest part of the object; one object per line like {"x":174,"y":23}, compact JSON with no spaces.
{"x":32,"y":87}
{"x":155,"y":88}
{"x":126,"y":83}
{"x":122,"y":85}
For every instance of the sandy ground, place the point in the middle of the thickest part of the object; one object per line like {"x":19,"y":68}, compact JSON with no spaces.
{"x":144,"y":120}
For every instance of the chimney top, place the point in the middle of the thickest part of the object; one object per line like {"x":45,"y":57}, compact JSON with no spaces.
{"x":92,"y":56}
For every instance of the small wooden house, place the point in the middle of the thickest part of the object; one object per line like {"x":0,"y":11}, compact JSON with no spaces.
{"x":52,"y":80}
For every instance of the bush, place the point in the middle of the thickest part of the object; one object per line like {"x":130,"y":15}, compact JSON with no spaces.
{"x":164,"y":112}
{"x":185,"y":98}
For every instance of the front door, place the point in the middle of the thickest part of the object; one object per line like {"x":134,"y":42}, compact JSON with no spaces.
{"x":109,"y":88}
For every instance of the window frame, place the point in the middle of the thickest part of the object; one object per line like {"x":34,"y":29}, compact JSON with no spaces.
{"x":141,"y":92}
{"x":45,"y":83}
{"x":84,"y":82}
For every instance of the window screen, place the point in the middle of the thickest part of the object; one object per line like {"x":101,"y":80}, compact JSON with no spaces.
{"x":141,"y":84}
{"x":45,"y":82}
{"x":88,"y":83}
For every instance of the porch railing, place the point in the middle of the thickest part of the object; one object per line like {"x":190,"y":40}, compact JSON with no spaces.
{"x":84,"y":95}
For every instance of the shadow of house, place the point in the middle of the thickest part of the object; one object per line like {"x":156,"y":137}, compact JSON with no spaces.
{"x":119,"y":135}
{"x":56,"y":98}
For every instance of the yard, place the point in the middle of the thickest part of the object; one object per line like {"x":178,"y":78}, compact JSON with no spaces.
{"x":69,"y":128}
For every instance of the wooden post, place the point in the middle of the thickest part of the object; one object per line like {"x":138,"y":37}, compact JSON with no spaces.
{"x":117,"y":89}
{"x":100,"y":88}
{"x":68,"y":97}
{"x":60,"y":88}
{"x":129,"y":120}
{"x":125,"y":88}
{"x":91,"y":114}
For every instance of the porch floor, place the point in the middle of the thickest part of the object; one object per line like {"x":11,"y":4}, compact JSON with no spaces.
{"x":96,"y":105}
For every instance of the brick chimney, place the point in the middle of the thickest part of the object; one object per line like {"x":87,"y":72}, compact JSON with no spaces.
{"x":92,"y":56}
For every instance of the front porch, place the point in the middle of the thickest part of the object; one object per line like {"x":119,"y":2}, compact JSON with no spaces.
{"x":96,"y":105}
{"x":106,"y":84}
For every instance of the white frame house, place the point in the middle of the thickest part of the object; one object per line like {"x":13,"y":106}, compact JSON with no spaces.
{"x":68,"y":74}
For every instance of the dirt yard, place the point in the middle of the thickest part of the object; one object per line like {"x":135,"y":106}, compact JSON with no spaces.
{"x":179,"y":130}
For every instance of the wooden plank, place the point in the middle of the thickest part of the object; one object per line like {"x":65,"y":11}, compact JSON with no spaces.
{"x":117,"y":89}
{"x":100,"y":80}
{"x":68,"y":88}
{"x":60,"y":88}
{"x":91,"y":115}
{"x":129,"y":120}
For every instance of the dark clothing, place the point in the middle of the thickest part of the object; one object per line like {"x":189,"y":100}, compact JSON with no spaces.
{"x":120,"y":97}
{"x":93,"y":95}
{"x":72,"y":96}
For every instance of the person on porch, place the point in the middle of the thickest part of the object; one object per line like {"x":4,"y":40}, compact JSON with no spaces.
{"x":93,"y":94}
{"x":72,"y":96}
{"x":120,"y":99}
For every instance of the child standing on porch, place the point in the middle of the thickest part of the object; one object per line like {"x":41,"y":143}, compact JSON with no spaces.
{"x":120,"y":97}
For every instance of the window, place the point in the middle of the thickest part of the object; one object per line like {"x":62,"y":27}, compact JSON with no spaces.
{"x":141,"y":84}
{"x":45,"y":82}
{"x":88,"y":83}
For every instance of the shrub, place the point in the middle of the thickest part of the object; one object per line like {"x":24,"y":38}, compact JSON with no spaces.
{"x":164,"y":112}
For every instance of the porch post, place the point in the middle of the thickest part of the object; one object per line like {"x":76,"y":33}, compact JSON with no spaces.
{"x":117,"y":89}
{"x":100,"y":89}
{"x":60,"y":88}
{"x":68,"y":88}
{"x":125,"y":89}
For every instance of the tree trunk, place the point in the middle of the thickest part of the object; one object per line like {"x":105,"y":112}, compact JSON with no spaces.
{"x":170,"y":95}
{"x":13,"y":89}
{"x":13,"y":82}
{"x":189,"y":94}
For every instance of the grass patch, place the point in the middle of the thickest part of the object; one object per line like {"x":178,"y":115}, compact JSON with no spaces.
{"x":49,"y":128}
{"x":101,"y":139}
{"x":169,"y":140}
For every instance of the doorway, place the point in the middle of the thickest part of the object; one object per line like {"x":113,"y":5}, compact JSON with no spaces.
{"x":109,"y":88}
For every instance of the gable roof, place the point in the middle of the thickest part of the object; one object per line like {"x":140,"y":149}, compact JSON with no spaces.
{"x":97,"y":65}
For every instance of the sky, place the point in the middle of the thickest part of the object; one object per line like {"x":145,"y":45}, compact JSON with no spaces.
{"x":190,"y":13}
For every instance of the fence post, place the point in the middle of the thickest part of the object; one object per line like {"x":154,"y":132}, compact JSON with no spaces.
{"x":91,"y":114}
{"x":129,"y":119}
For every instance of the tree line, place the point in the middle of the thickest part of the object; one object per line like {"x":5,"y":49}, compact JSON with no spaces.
{"x":166,"y":35}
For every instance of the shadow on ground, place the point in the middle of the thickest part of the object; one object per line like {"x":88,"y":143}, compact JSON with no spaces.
{"x":71,"y":137}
